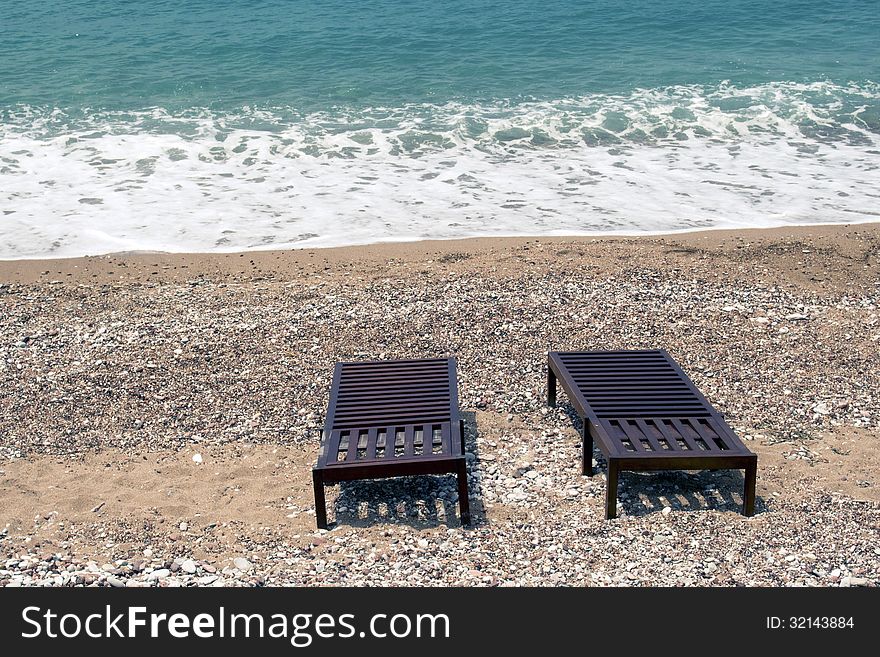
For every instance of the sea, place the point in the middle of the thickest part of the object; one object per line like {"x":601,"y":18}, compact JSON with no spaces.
{"x":225,"y":125}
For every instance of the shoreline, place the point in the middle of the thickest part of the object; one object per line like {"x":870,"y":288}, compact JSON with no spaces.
{"x":600,"y":236}
{"x":397,"y":257}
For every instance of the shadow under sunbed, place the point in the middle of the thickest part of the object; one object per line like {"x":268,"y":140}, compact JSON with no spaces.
{"x":421,"y":501}
{"x":644,"y":493}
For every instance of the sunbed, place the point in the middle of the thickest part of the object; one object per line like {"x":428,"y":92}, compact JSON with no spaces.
{"x":645,"y":414}
{"x":390,"y":419}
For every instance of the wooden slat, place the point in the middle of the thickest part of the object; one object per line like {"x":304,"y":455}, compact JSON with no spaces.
{"x":391,"y":375}
{"x":353,"y":440}
{"x":424,"y":400}
{"x":394,"y":394}
{"x":409,"y":440}
{"x":383,"y":365}
{"x":423,"y":408}
{"x":722,"y":435}
{"x":377,"y":420}
{"x":649,"y":435}
{"x":676,"y":422}
{"x":391,"y":445}
{"x":667,"y":433}
{"x":631,"y":434}
{"x":372,"y":438}
{"x":333,"y":445}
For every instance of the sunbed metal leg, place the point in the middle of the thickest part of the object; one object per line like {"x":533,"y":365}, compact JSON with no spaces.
{"x":320,"y":502}
{"x":587,"y":448}
{"x":751,"y":474}
{"x":611,"y":490}
{"x":464,"y":504}
{"x":461,"y":431}
{"x":551,"y":388}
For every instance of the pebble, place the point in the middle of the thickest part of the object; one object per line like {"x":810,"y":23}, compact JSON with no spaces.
{"x":242,"y":564}
{"x":822,"y":408}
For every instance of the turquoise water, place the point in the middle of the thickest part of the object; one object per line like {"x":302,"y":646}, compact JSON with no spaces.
{"x":227,"y":125}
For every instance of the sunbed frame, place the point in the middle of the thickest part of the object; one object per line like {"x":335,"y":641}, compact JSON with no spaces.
{"x":392,"y":419}
{"x":646,"y":414}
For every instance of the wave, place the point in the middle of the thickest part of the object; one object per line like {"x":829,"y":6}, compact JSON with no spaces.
{"x":677,"y":158}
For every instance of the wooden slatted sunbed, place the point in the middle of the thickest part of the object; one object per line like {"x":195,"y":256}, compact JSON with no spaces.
{"x":391,"y":419}
{"x":646,"y":414}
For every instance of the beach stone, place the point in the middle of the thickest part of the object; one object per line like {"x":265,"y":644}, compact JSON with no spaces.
{"x":242,"y":564}
{"x":822,"y":408}
{"x":518,"y":495}
{"x":188,"y":566}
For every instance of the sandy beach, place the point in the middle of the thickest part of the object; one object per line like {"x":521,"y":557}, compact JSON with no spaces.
{"x":160,"y":413}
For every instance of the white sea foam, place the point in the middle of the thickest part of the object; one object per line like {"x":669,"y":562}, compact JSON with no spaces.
{"x":656,"y":160}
